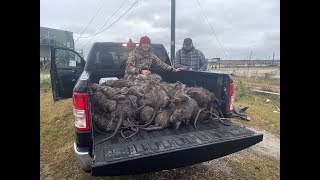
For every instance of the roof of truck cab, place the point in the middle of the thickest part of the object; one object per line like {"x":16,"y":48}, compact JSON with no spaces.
{"x":118,"y":44}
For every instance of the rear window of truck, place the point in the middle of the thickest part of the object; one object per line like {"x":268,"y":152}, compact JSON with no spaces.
{"x":112,"y":57}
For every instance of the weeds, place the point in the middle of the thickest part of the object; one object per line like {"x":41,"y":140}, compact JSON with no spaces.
{"x":45,"y":85}
{"x":241,"y":91}
{"x":44,"y":71}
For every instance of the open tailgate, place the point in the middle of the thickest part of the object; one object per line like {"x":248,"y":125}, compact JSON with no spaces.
{"x":170,"y":148}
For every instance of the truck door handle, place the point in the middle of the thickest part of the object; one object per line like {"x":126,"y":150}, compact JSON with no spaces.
{"x":73,"y":70}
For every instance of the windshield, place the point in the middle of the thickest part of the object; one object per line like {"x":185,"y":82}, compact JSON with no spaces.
{"x":115,"y":57}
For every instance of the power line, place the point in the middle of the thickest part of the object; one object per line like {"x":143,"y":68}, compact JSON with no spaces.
{"x":90,"y":22}
{"x":105,"y":23}
{"x":211,"y":28}
{"x":113,"y":22}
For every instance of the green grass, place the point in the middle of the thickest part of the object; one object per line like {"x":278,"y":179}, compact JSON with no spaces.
{"x":45,"y":85}
{"x":44,"y":71}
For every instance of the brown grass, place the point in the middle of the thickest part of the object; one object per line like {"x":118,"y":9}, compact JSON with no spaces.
{"x":248,"y":166}
{"x":260,"y":111}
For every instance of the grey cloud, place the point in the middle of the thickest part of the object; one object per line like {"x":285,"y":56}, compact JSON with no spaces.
{"x":241,"y":25}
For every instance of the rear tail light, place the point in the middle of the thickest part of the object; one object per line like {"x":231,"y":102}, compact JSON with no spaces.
{"x":80,"y":111}
{"x":231,"y":97}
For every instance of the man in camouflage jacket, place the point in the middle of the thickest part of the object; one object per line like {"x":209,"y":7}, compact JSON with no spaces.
{"x":141,"y":59}
{"x":189,"y":58}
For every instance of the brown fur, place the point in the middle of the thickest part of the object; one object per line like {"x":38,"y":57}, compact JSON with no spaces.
{"x":168,"y":88}
{"x":150,"y":99}
{"x":119,"y":97}
{"x":95,"y":86}
{"x":146,"y":114}
{"x":179,"y":86}
{"x":124,"y":90}
{"x":123,"y":111}
{"x":184,"y":112}
{"x":154,"y":95}
{"x":161,"y":121}
{"x":134,"y":101}
{"x":103,"y":102}
{"x":134,"y":90}
{"x":140,"y":100}
{"x":144,"y":78}
{"x":109,"y":91}
{"x":119,"y":83}
{"x":163,"y":97}
{"x":105,"y":123}
{"x":201,"y":95}
{"x":180,"y":98}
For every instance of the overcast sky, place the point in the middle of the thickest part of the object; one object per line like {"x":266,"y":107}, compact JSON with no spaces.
{"x":241,"y":26}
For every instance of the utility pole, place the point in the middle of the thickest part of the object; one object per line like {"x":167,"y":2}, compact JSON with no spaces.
{"x":172,"y":42}
{"x":250,"y":60}
{"x":272,"y":58}
{"x":82,"y":52}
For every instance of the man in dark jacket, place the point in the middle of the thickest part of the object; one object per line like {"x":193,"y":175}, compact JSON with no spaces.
{"x":190,"y":58}
{"x":141,"y":59}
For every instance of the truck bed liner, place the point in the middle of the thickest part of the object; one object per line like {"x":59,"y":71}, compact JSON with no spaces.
{"x":156,"y":150}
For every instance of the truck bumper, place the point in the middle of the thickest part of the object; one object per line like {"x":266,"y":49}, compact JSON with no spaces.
{"x":83,"y":158}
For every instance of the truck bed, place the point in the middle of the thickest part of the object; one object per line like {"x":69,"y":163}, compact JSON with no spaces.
{"x":157,"y":150}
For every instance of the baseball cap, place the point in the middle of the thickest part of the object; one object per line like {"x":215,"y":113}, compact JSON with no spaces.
{"x":187,"y":41}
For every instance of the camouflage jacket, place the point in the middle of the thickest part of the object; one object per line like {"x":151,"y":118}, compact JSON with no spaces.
{"x":139,"y":60}
{"x":194,"y":59}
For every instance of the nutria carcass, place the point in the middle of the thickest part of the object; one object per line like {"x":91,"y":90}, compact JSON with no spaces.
{"x":161,"y":121}
{"x":201,"y":95}
{"x":118,"y":83}
{"x":124,"y":110}
{"x":184,"y":112}
{"x":101,"y":101}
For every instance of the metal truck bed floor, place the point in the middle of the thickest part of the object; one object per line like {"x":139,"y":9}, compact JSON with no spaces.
{"x":169,"y":148}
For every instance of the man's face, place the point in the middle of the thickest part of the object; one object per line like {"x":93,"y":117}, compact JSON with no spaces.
{"x":187,"y":46}
{"x":145,"y":46}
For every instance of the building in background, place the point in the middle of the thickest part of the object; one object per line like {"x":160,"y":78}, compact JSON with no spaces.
{"x":213,"y":63}
{"x":53,"y":37}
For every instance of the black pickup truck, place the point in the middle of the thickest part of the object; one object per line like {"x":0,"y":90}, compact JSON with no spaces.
{"x":151,"y":151}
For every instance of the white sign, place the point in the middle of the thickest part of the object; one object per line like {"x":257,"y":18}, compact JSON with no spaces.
{"x":72,"y":63}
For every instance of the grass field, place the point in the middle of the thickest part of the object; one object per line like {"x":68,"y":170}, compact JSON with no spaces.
{"x":258,"y":162}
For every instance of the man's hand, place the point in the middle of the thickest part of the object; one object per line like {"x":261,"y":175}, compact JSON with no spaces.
{"x":146,"y":72}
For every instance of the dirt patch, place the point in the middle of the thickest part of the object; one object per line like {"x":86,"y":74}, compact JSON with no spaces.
{"x":270,"y":145}
{"x":215,"y":169}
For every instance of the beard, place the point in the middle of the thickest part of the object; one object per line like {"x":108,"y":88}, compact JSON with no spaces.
{"x":187,"y":50}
